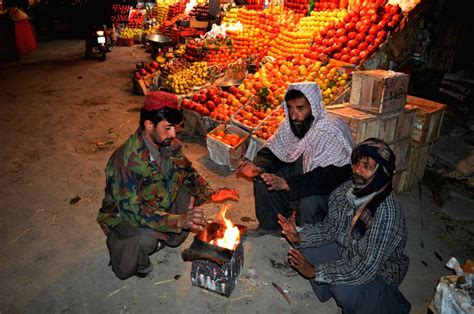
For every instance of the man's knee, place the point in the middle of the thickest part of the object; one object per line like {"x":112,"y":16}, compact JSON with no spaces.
{"x":312,"y":209}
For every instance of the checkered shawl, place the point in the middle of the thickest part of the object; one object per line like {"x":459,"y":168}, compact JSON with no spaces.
{"x":327,"y":142}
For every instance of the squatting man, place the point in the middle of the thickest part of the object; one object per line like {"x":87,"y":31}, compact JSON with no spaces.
{"x":151,"y":191}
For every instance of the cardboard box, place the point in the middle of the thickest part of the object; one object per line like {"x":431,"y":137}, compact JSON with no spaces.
{"x":224,"y":154}
{"x":378,"y":91}
{"x":428,"y":120}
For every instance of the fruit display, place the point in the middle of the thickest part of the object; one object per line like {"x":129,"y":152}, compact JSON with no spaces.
{"x":200,"y":12}
{"x":299,"y":6}
{"x":230,"y":16}
{"x":182,"y":79}
{"x":260,"y":29}
{"x":145,"y":70}
{"x":128,"y":33}
{"x":255,"y":4}
{"x":329,"y":5}
{"x":358,"y":35}
{"x":160,"y":12}
{"x":251,"y":115}
{"x":175,"y":10}
{"x":205,"y":101}
{"x":318,"y":20}
{"x":270,"y":125}
{"x":135,"y":20}
{"x":120,"y":13}
{"x":228,"y":138}
{"x":290,"y":43}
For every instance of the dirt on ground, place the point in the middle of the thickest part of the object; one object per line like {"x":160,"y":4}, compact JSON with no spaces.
{"x":61,"y":118}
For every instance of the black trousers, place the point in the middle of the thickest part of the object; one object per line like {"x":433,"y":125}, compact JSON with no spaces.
{"x":268,"y":204}
{"x":373,"y":297}
{"x":130,"y":246}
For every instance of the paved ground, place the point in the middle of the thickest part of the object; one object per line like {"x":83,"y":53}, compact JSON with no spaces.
{"x":61,"y":117}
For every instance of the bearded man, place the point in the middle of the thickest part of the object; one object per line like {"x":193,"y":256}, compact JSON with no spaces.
{"x":299,"y":167}
{"x":150,"y":191}
{"x":356,"y":254}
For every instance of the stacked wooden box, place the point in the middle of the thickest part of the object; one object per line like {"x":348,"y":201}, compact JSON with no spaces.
{"x":426,"y":130}
{"x":379,"y":107}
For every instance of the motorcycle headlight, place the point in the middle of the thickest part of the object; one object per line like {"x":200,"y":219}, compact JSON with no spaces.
{"x":100,"y":33}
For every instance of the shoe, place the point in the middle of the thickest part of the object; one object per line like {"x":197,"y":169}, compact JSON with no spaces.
{"x":256,"y":233}
{"x":142,"y":273}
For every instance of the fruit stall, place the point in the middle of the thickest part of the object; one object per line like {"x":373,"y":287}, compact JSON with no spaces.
{"x":232,"y":77}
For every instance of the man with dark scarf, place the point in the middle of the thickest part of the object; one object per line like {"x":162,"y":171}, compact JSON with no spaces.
{"x":307,"y":158}
{"x":356,"y":254}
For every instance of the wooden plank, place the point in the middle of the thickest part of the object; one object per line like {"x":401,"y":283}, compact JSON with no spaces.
{"x":428,"y":119}
{"x":378,"y":91}
{"x":363,"y":125}
{"x":418,"y":155}
{"x":401,"y":149}
{"x":406,"y":122}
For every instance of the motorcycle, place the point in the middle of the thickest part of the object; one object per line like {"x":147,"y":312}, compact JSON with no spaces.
{"x":102,"y":40}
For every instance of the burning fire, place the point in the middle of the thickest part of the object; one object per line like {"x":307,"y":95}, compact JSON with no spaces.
{"x":231,"y":234}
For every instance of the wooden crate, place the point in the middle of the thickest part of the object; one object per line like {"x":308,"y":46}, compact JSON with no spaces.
{"x":144,"y":84}
{"x":401,"y":149}
{"x":363,"y":125}
{"x":418,"y":155}
{"x":389,"y":127}
{"x":400,"y":182}
{"x":428,"y":120}
{"x":406,"y":122}
{"x":378,"y":91}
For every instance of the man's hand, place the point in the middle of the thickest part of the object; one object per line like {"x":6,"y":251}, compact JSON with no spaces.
{"x":274,"y":182}
{"x":225,"y":194}
{"x":288,"y":227}
{"x":298,"y":262}
{"x":249,"y":169}
{"x":193,"y":218}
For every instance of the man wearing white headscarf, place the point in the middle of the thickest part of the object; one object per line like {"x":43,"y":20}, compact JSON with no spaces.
{"x":307,"y":158}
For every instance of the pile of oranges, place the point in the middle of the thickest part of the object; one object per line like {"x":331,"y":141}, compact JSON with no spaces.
{"x":230,"y":139}
{"x":270,"y":125}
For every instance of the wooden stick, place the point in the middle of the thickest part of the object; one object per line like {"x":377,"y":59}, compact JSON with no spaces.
{"x":287,"y":298}
{"x":115,"y":292}
{"x":21,"y":235}
{"x":37,"y":212}
{"x":164,"y":281}
{"x":242,"y":297}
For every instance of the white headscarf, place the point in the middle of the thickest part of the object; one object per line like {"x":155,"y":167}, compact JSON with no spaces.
{"x":327,"y":142}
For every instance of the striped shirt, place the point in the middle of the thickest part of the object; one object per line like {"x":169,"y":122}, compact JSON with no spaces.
{"x":378,"y":252}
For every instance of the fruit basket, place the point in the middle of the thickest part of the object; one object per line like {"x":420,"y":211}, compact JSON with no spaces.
{"x":227,"y":145}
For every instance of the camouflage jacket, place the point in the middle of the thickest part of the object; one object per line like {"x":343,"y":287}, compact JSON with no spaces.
{"x":139,"y":192}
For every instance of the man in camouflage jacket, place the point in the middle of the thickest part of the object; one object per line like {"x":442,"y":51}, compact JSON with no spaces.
{"x":150,"y":191}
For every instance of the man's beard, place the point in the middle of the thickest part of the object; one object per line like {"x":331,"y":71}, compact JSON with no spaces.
{"x":359,"y":181}
{"x":301,"y":128}
{"x":164,"y":143}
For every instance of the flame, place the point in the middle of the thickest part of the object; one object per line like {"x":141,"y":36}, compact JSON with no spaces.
{"x":231,"y":234}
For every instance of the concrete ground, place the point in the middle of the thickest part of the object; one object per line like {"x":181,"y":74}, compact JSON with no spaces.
{"x":61,"y":117}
